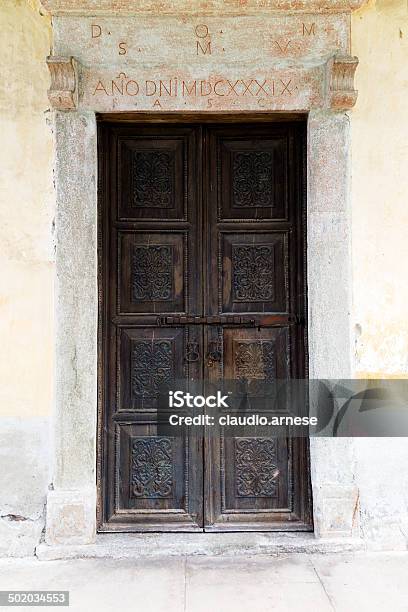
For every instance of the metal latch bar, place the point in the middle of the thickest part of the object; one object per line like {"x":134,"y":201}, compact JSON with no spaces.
{"x":262,"y":321}
{"x":208,"y":320}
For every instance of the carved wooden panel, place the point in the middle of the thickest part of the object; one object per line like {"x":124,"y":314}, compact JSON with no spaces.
{"x":151,"y":367}
{"x":252,"y":176}
{"x":155,"y":477}
{"x":153,"y":272}
{"x":253,"y":272}
{"x":256,"y":470}
{"x":148,"y":363}
{"x":153,"y":178}
{"x":151,"y":473}
{"x":252,"y":179}
{"x":254,"y":360}
{"x":256,"y":478}
{"x":252,"y":354}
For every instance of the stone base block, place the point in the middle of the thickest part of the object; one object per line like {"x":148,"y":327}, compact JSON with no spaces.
{"x":336,"y":511}
{"x":70,"y":517}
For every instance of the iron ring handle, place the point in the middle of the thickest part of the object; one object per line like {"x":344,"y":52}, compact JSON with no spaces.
{"x":192,"y":352}
{"x":214,"y":354}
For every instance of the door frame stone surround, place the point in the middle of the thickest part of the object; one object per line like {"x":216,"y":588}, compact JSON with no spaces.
{"x":72,"y":500}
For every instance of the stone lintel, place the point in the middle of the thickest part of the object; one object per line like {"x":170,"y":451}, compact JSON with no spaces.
{"x":196,"y":7}
{"x":63,"y":92}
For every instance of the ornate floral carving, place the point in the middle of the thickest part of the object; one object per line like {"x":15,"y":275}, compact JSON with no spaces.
{"x":151,"y":473}
{"x":152,"y":273}
{"x":343,"y":96}
{"x":63,"y":93}
{"x":252,"y":179}
{"x":151,"y":367}
{"x":256,"y":470}
{"x":253,"y":273}
{"x":254,"y":360}
{"x":153,"y":179}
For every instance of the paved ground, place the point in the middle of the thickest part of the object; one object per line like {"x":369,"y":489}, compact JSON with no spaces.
{"x":352,"y":582}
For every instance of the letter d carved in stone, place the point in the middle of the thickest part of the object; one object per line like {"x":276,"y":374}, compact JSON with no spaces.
{"x":63,"y":93}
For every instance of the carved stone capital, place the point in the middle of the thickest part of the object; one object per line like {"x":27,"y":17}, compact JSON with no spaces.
{"x":63,"y":93}
{"x":342,"y":95}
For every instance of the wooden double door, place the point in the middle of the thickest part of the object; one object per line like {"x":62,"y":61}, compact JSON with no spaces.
{"x":202,"y":277}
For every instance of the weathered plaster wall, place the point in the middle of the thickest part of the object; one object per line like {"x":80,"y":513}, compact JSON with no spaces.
{"x":380,"y":251}
{"x":26,"y":253}
{"x":380,"y":184}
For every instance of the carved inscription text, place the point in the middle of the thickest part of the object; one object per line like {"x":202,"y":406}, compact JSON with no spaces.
{"x":124,"y":85}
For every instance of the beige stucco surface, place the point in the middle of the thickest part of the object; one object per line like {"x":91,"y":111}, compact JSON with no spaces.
{"x":26,"y":213}
{"x":380,"y":188}
{"x":380,"y":251}
{"x":26,"y":279}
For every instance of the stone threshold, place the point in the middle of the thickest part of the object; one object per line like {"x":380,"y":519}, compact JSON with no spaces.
{"x":159,"y":545}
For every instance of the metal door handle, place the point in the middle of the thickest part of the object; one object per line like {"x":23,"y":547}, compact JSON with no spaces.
{"x":214,"y":354}
{"x":192,"y":352}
